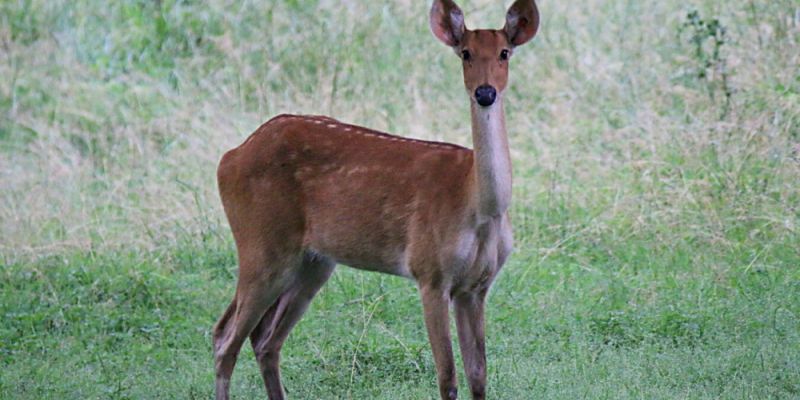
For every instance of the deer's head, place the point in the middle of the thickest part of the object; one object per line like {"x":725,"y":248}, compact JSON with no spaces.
{"x":485,"y":53}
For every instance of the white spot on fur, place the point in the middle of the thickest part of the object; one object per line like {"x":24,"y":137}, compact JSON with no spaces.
{"x":332,"y":123}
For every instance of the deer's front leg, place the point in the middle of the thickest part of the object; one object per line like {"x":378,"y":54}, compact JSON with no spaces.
{"x":435,"y":303}
{"x":471,"y":338}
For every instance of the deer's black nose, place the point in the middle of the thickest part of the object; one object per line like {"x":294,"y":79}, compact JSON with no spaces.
{"x":485,"y":95}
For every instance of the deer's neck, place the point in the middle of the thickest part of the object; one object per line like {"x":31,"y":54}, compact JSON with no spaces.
{"x":492,"y":165}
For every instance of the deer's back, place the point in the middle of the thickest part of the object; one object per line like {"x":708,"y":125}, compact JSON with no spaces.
{"x":356,"y":194}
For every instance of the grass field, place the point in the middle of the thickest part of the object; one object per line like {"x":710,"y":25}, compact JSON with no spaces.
{"x":656,"y":149}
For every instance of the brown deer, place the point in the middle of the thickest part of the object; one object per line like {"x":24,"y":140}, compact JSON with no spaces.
{"x":304,"y":193}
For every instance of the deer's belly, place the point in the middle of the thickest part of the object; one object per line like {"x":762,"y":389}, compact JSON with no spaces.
{"x":377,"y":249}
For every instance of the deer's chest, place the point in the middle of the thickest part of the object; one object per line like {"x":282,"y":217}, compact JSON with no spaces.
{"x":478,"y":254}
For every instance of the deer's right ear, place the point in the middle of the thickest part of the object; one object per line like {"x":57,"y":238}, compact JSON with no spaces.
{"x":447,"y":22}
{"x":522,"y":22}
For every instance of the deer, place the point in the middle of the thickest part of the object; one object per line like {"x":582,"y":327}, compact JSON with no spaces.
{"x":305,"y":193}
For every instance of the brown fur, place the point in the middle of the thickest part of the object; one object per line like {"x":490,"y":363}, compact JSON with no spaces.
{"x":303,"y":193}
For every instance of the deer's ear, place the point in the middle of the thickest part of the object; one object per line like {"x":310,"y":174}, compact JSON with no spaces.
{"x":447,"y":22}
{"x":522,"y":22}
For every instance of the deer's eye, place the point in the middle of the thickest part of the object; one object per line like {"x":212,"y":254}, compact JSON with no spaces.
{"x":465,"y":55}
{"x":504,"y":55}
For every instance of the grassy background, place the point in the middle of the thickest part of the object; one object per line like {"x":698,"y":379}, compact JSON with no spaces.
{"x":657,"y":183}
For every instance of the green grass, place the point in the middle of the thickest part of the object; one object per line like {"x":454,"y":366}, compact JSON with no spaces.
{"x":656,"y":223}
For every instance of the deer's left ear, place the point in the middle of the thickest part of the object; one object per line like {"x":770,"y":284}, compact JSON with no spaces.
{"x":447,"y":22}
{"x":522,"y":22}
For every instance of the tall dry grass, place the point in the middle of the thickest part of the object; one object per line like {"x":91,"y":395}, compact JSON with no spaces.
{"x":113,"y":115}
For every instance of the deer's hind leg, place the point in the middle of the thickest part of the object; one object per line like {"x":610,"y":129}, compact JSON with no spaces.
{"x":269,"y":335}
{"x":262,"y":280}
{"x":267,"y":223}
